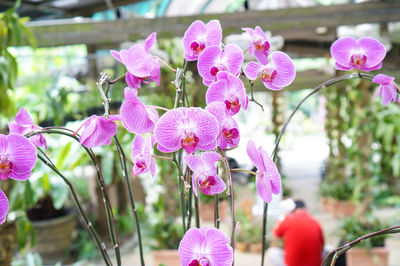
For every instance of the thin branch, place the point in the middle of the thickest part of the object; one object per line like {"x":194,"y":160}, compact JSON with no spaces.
{"x":243,"y":170}
{"x":162,"y":157}
{"x":252,"y":99}
{"x":165,"y":64}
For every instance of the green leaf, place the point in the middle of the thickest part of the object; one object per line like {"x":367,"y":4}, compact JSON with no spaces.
{"x":63,"y":155}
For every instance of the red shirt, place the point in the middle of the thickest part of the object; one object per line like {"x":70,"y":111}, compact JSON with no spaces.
{"x":303,"y":239}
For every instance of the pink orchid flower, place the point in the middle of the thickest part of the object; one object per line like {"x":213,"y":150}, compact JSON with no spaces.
{"x":278,"y":73}
{"x":387,"y":89}
{"x":230,"y":90}
{"x":136,"y":117}
{"x":199,"y":36}
{"x":213,"y":60}
{"x":268,"y":179}
{"x":17,"y":159}
{"x":259,"y":45}
{"x":366,"y":54}
{"x":206,"y":247}
{"x":98,"y":130}
{"x":23,"y":125}
{"x":205,"y":173}
{"x":141,"y":156}
{"x":228,"y":136}
{"x":188,"y":128}
{"x":140,"y":63}
{"x":3,"y":207}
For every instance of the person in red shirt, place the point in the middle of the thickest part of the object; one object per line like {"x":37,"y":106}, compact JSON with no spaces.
{"x":302,"y":236}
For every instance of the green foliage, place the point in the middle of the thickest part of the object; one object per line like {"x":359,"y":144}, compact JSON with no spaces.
{"x":355,"y":227}
{"x":12,"y":31}
{"x":338,"y":190}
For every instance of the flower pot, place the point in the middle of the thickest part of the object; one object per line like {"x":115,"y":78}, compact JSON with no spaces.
{"x":242,"y":246}
{"x":326,"y":202}
{"x":255,"y":248}
{"x":168,"y":257}
{"x":342,"y":208}
{"x":207,"y":210}
{"x":53,"y":237}
{"x":378,"y":256}
{"x":8,"y":242}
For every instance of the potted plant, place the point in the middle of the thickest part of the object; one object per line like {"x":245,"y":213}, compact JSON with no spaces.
{"x":370,"y":252}
{"x":242,"y":236}
{"x":255,"y":233}
{"x":338,"y":197}
{"x":206,"y":205}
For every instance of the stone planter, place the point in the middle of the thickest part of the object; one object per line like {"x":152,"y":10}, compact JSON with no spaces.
{"x":342,"y":208}
{"x":207,"y":210}
{"x":53,"y":237}
{"x":255,"y":248}
{"x":242,"y":246}
{"x":378,"y":256}
{"x":8,"y":242}
{"x":168,"y":257}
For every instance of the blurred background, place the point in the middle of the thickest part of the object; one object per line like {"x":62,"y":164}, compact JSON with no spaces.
{"x":341,"y":152}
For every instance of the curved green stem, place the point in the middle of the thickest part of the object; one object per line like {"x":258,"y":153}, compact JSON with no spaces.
{"x":122,"y":158}
{"x":100,"y":245}
{"x":100,"y":180}
{"x":315,"y":90}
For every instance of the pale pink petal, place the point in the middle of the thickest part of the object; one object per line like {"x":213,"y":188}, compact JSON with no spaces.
{"x":137,"y":145}
{"x":98,"y":131}
{"x":218,"y":110}
{"x":264,"y":189}
{"x":138,"y":61}
{"x":23,"y":117}
{"x":116,"y":55}
{"x":195,"y":176}
{"x":252,"y":70}
{"x":155,"y":74}
{"x":213,"y":32}
{"x":195,"y":31}
{"x":209,"y":146}
{"x":209,"y":159}
{"x":148,"y":43}
{"x":135,"y":117}
{"x":3,"y":207}
{"x":220,"y":252}
{"x":373,"y":49}
{"x":194,"y":162}
{"x":190,"y":245}
{"x":217,"y":91}
{"x":16,"y":128}
{"x":165,"y":150}
{"x":284,"y":67}
{"x":382,"y":79}
{"x":233,"y":58}
{"x":271,"y":173}
{"x":208,"y":59}
{"x":343,"y":68}
{"x":254,"y":155}
{"x":342,"y":50}
{"x":260,"y":33}
{"x":367,"y":69}
{"x":132,"y":81}
{"x":21,"y":152}
{"x":251,"y":32}
{"x":205,"y":125}
{"x":167,"y":130}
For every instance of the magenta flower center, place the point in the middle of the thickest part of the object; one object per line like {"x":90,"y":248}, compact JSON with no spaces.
{"x":214,"y":71}
{"x":233,"y":105}
{"x":230,"y":134}
{"x":358,"y":59}
{"x":262,"y":46}
{"x":268,"y":74}
{"x":208,"y":182}
{"x":197,"y":47}
{"x":6,"y":167}
{"x":189,"y":141}
{"x":140,"y":163}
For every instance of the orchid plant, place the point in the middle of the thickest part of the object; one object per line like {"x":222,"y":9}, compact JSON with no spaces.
{"x":195,"y":139}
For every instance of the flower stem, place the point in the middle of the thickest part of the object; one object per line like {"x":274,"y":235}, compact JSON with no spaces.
{"x":243,"y":170}
{"x":315,"y":90}
{"x":196,"y":206}
{"x":122,"y":159}
{"x":100,"y":245}
{"x":162,"y":157}
{"x":216,"y":212}
{"x":190,"y":196}
{"x":165,"y":64}
{"x":228,"y":170}
{"x":182,"y":194}
{"x":100,"y":180}
{"x":252,"y":99}
{"x":264,"y":232}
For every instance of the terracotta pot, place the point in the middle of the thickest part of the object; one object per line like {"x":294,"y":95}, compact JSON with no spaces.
{"x":8,"y":242}
{"x":53,"y":237}
{"x":325,"y":204}
{"x":378,"y":256}
{"x":256,"y":248}
{"x":207,"y":210}
{"x":242,"y":246}
{"x":168,"y":257}
{"x":342,"y":208}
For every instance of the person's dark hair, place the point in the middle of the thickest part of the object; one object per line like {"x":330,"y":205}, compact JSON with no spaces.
{"x":299,"y":204}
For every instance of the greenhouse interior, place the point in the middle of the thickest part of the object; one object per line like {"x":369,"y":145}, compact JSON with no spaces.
{"x":200,"y":133}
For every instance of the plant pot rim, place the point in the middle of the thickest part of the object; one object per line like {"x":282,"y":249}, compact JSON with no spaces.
{"x":55,"y":221}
